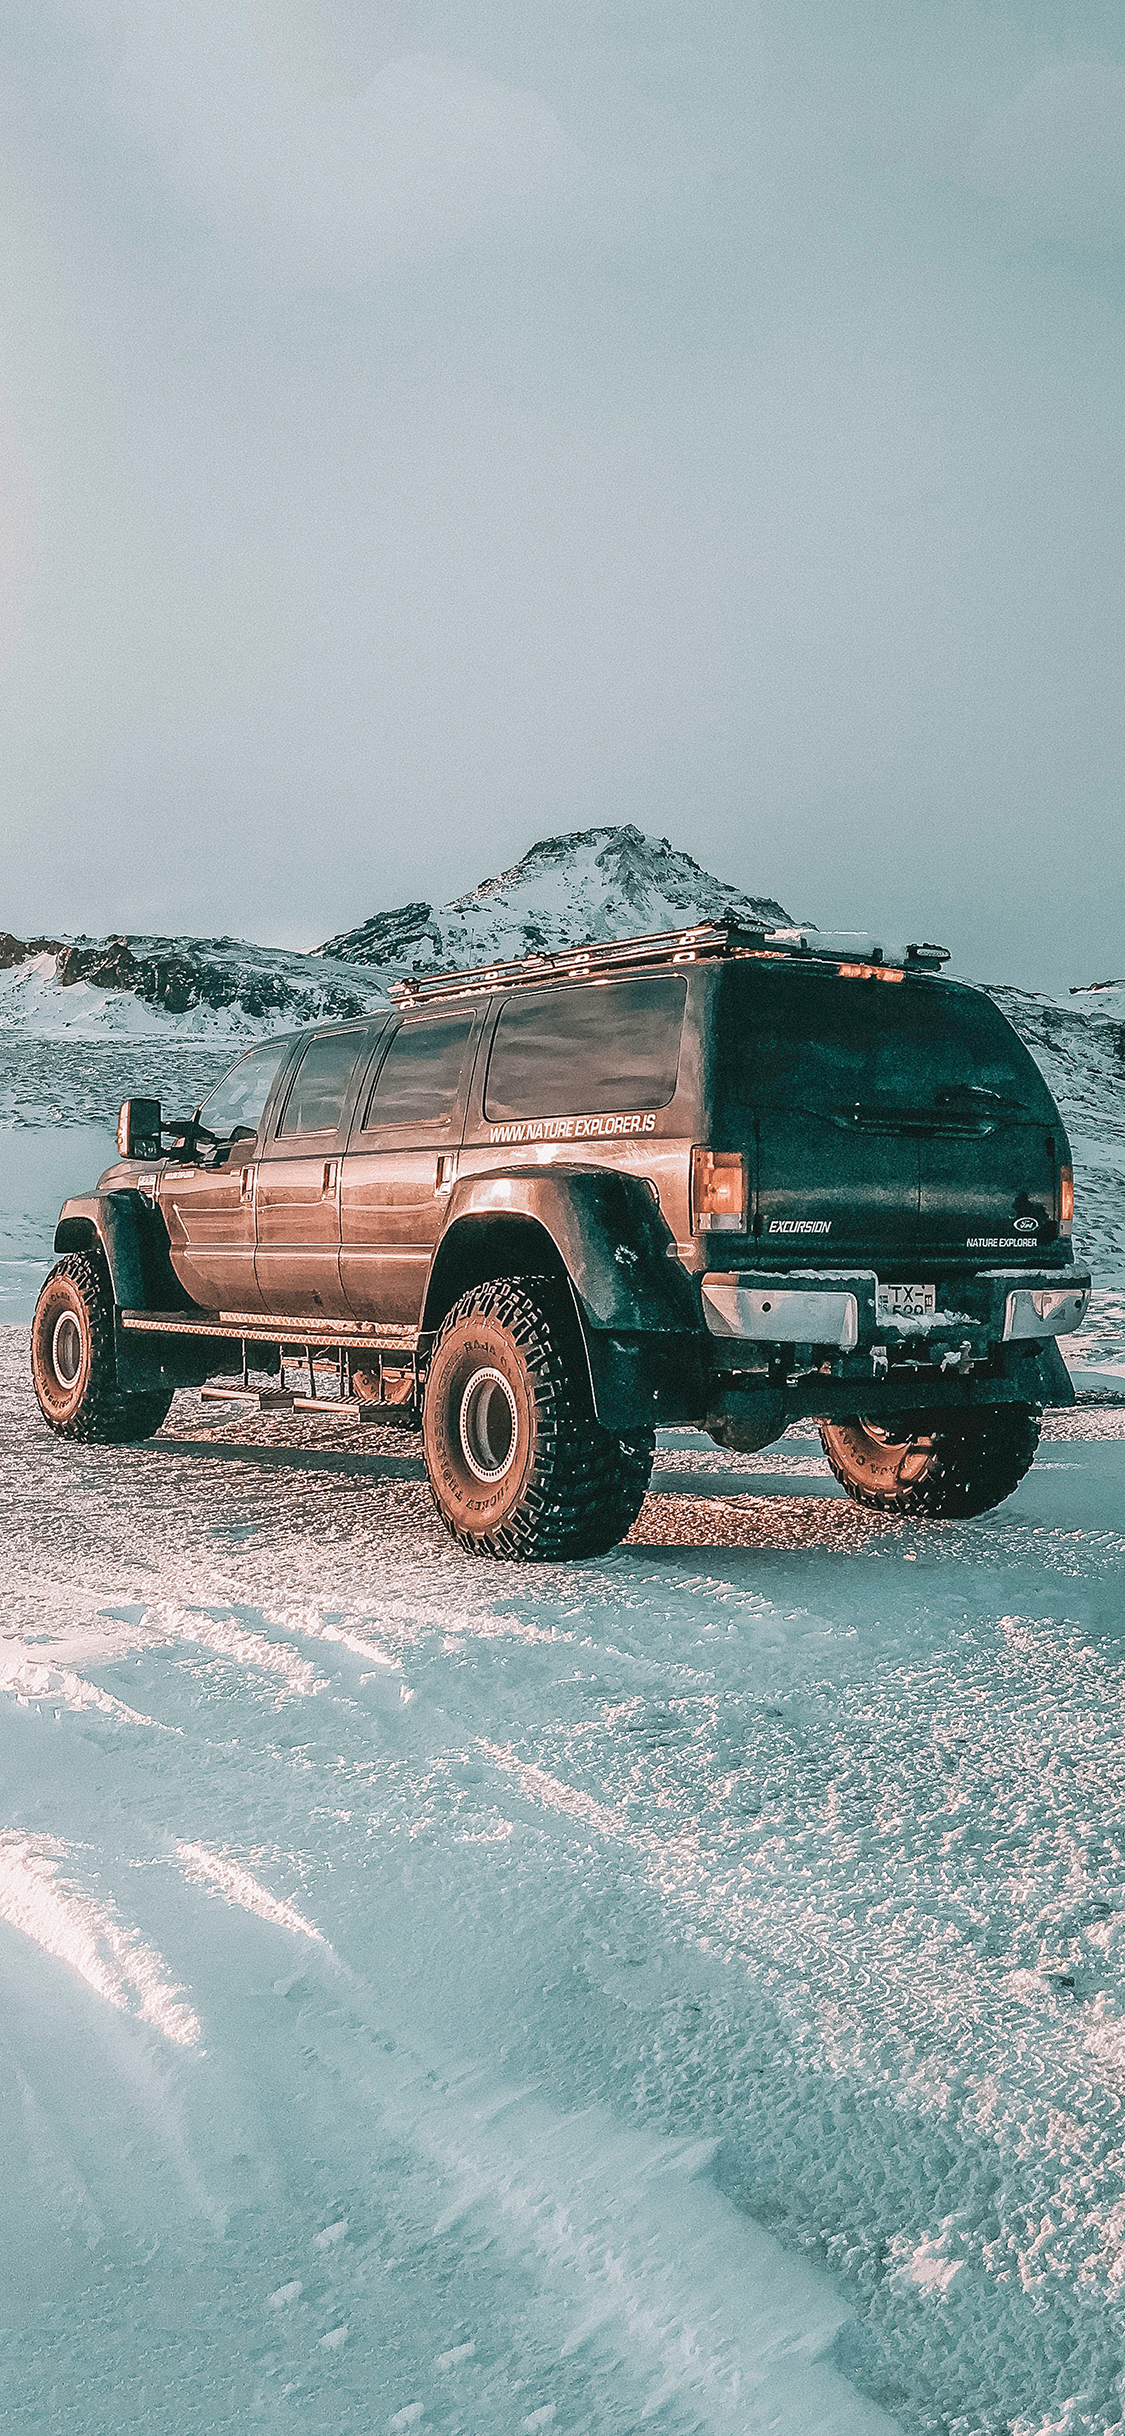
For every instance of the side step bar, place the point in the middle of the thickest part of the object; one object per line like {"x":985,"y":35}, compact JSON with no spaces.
{"x":260,"y":1328}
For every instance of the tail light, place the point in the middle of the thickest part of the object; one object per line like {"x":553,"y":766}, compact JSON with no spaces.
{"x":1066,"y":1200}
{"x":718,"y":1192}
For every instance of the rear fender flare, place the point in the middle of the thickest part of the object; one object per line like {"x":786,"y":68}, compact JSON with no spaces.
{"x":608,"y":1235}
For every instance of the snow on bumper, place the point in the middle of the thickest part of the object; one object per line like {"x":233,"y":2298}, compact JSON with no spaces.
{"x":838,"y":1308}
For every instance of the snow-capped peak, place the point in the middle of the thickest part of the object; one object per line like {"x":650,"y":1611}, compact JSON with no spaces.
{"x":591,"y":884}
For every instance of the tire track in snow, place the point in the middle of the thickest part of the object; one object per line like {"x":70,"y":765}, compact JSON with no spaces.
{"x":222,"y":1876}
{"x":874,"y":1905}
{"x":85,"y":1932}
{"x":28,"y":1679}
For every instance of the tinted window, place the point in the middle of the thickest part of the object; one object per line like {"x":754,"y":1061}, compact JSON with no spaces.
{"x":420,"y":1077}
{"x":812,"y":1041}
{"x":584,"y":1051}
{"x":241,"y":1097}
{"x":320,"y":1086}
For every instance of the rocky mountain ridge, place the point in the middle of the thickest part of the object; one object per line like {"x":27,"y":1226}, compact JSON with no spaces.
{"x":171,"y":988}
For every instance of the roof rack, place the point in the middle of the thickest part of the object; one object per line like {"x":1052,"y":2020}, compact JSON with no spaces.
{"x":856,"y":953}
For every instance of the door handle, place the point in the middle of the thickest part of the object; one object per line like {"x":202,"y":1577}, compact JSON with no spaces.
{"x":330,"y":1167}
{"x":446,"y":1170}
{"x":246,"y":1182}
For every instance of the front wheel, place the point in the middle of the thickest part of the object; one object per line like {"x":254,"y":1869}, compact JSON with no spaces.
{"x":74,"y":1364}
{"x":518,"y":1464}
{"x":945,"y":1464}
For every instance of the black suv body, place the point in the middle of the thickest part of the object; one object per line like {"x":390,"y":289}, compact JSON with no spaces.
{"x":719,"y":1178}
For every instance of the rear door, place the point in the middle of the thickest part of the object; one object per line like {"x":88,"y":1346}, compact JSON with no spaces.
{"x":400,"y":1164}
{"x":815,"y":1066}
{"x":896,"y":1121}
{"x":297,"y":1262}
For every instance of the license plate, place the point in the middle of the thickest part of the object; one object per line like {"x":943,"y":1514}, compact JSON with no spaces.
{"x":905,"y":1302}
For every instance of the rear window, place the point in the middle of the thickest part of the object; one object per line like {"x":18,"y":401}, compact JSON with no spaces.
{"x":587,"y":1050}
{"x":803,"y":1040}
{"x":419,"y":1080}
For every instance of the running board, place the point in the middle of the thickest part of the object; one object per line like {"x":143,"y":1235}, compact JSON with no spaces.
{"x":258,"y":1328}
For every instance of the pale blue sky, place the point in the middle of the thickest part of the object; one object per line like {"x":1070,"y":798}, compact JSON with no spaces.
{"x":430,"y":425}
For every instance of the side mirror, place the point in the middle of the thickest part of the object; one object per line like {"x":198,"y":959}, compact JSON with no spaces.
{"x":138,"y":1129}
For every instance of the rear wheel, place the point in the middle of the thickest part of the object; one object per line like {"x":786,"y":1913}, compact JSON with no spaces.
{"x":518,"y":1464}
{"x":943,"y":1464}
{"x":74,"y":1363}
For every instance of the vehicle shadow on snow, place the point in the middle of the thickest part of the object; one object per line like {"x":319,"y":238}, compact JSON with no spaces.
{"x":297,"y":1458}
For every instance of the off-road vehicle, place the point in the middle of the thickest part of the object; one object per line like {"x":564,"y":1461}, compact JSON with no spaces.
{"x":718,"y":1178}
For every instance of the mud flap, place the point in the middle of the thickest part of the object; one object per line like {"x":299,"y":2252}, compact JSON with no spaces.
{"x":1055,"y":1385}
{"x":643,"y":1381}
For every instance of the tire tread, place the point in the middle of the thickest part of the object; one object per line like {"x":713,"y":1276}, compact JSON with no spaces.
{"x":588,"y":1485}
{"x":976,"y":1460}
{"x":107,"y":1415}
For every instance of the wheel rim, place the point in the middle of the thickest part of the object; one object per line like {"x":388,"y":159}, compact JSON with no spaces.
{"x":910,"y":1454}
{"x":66,"y":1350}
{"x":487,"y":1425}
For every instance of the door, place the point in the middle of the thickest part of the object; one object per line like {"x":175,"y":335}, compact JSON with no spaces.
{"x":297,"y":1260}
{"x":400,"y":1165}
{"x":210,"y":1214}
{"x":209,"y":1204}
{"x":822,"y":1067}
{"x":897,"y":1120}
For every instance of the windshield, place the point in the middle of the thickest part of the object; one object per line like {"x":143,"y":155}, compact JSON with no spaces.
{"x":813,"y":1041}
{"x":241,"y":1097}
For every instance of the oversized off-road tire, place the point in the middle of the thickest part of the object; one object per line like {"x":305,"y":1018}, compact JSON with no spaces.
{"x":74,"y":1365}
{"x":944,"y":1464}
{"x":518,"y":1464}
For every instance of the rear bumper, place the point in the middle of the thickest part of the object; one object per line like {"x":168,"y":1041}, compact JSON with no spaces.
{"x":836,"y":1310}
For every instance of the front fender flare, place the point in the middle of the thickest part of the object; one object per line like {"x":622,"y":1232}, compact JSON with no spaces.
{"x":118,"y":1221}
{"x":134,"y":1241}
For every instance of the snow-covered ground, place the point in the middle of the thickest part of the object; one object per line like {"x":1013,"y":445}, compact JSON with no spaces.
{"x":684,"y":1990}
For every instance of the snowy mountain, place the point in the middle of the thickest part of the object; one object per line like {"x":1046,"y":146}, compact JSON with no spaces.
{"x":186,"y":989}
{"x":593,"y":884}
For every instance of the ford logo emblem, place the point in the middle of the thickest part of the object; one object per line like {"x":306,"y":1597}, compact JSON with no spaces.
{"x":1027,"y":1226}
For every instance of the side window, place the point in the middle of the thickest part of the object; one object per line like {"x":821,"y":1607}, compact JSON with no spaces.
{"x":241,"y":1097}
{"x":316,"y":1095}
{"x":420,"y":1077}
{"x":587,"y":1050}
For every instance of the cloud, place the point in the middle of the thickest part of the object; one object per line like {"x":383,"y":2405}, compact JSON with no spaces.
{"x":1055,"y":155}
{"x":325,"y":187}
